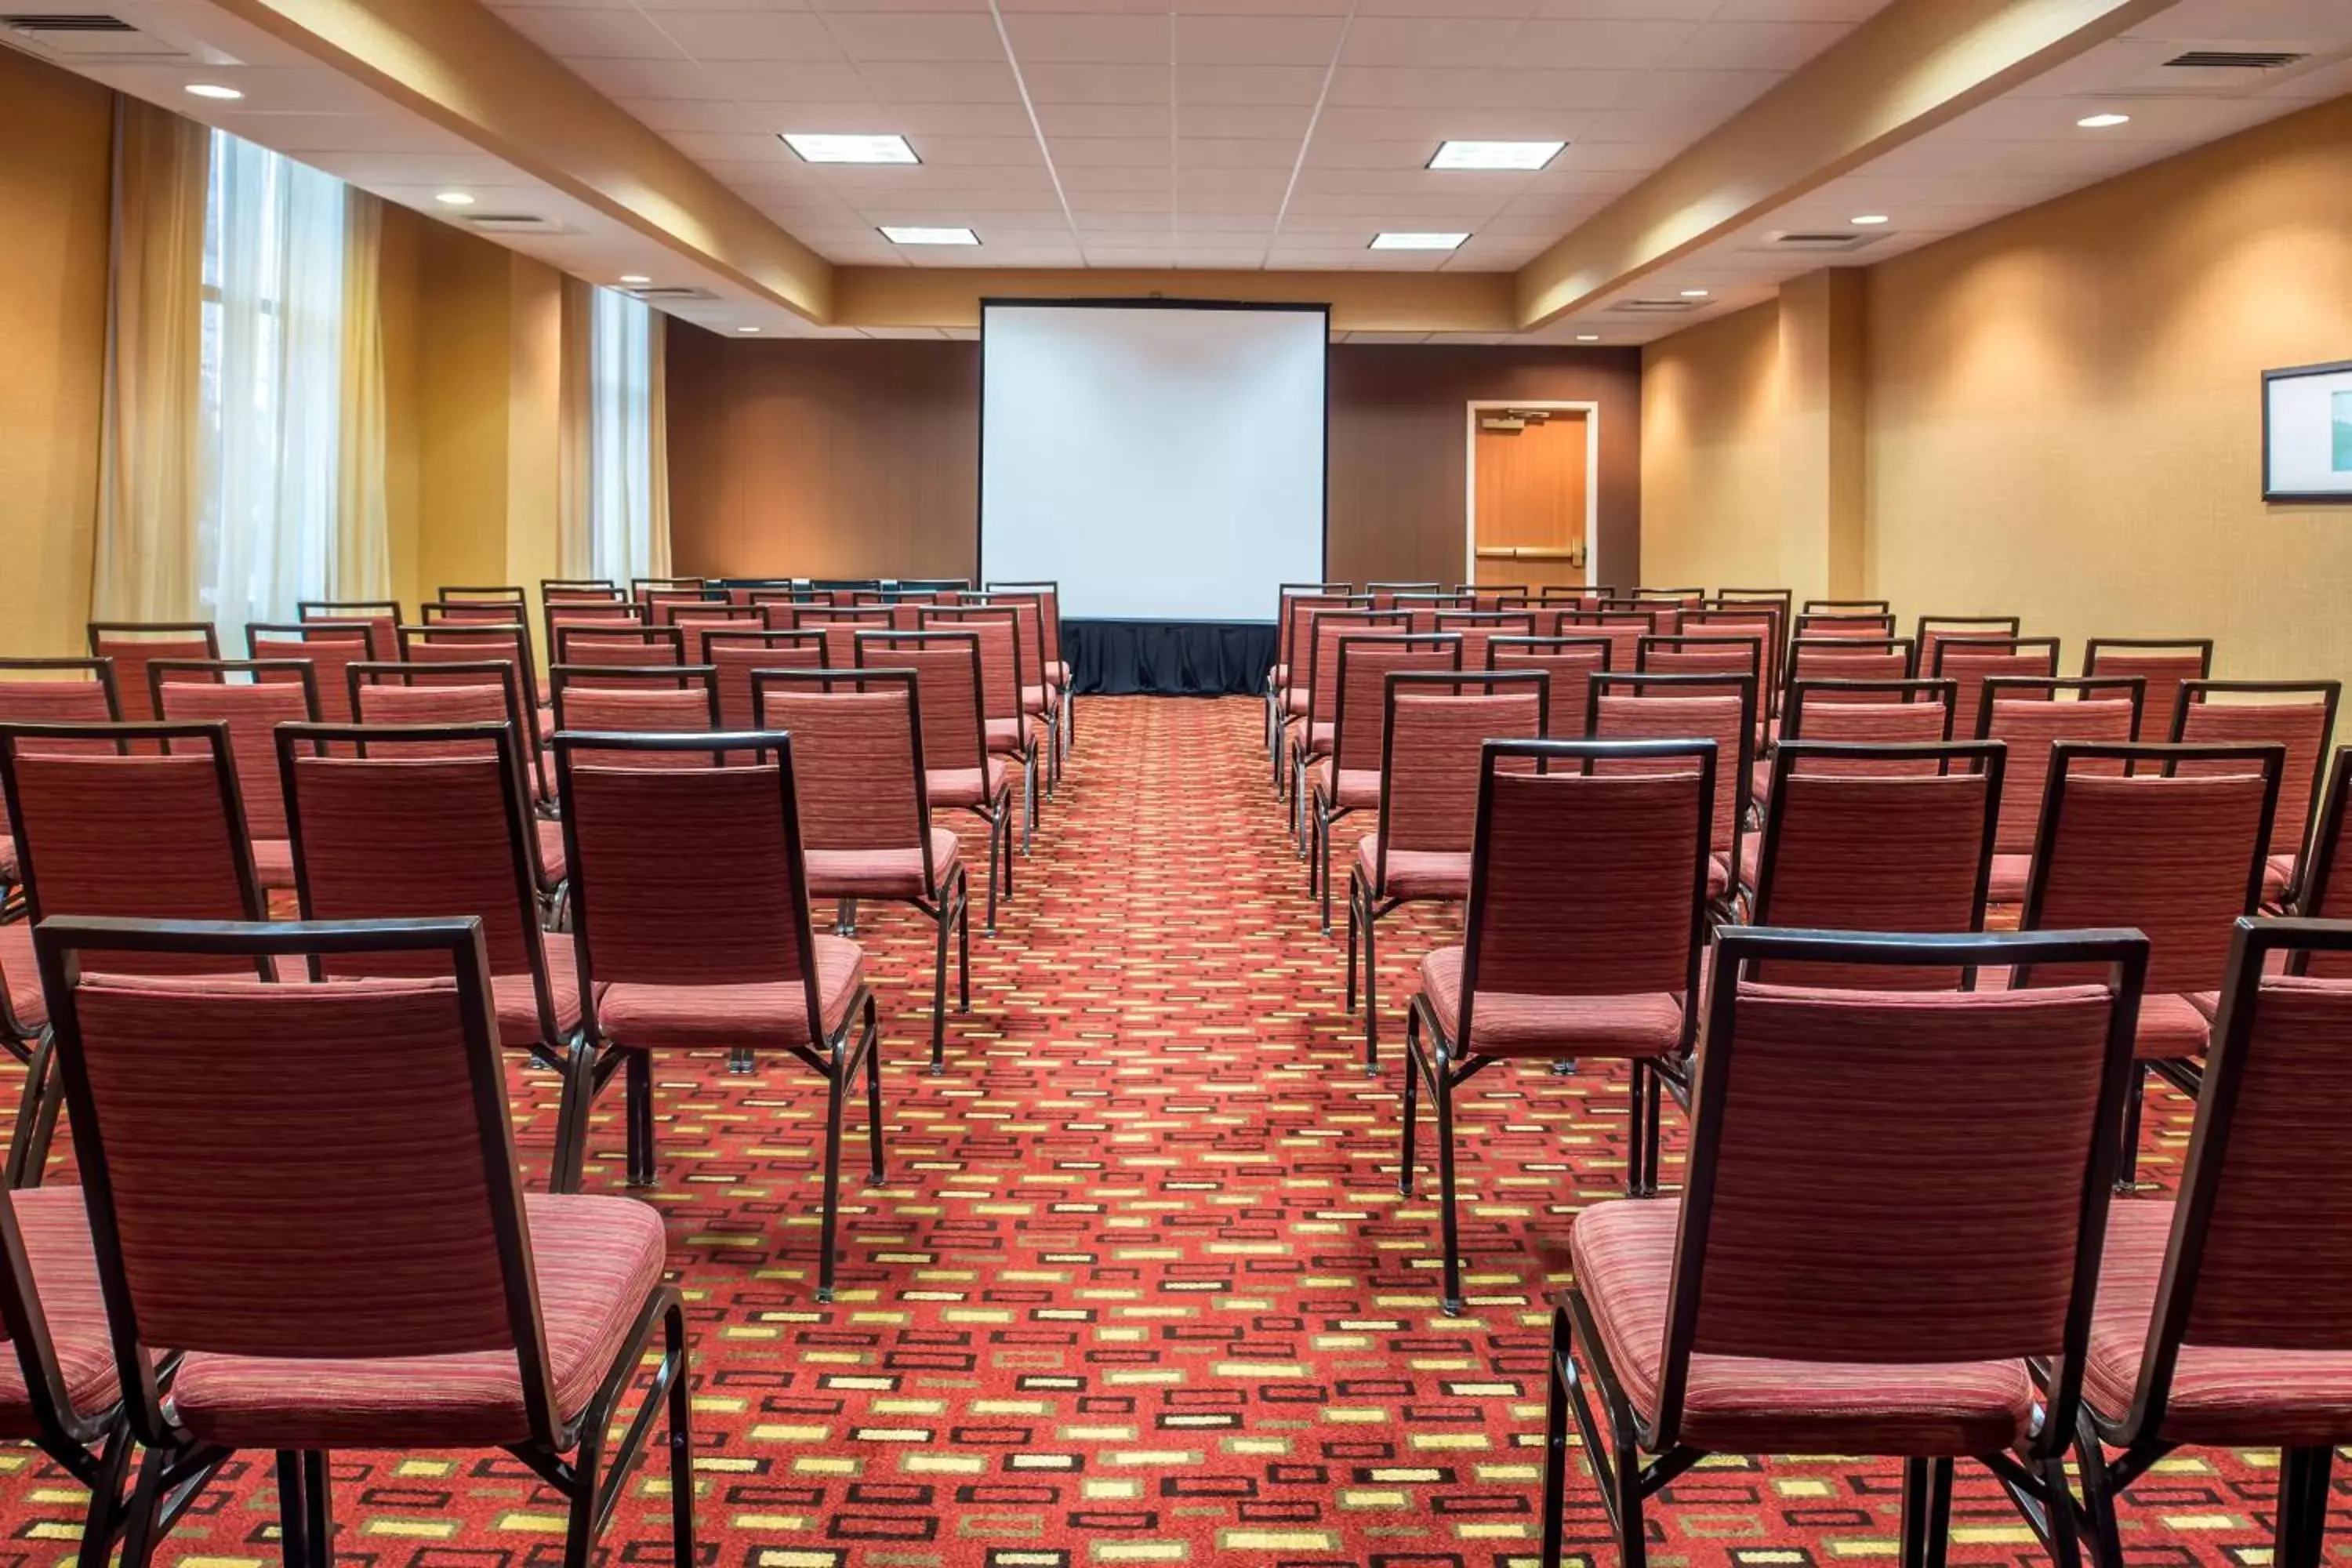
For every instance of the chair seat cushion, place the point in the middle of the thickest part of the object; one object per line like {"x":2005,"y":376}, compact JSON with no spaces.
{"x":551,"y":862}
{"x":1751,"y":858}
{"x":273,"y":864}
{"x":56,"y":1228}
{"x":2278,"y":875}
{"x":1718,"y":872}
{"x":1295,"y":703}
{"x":8,"y":858}
{"x":1060,"y":670}
{"x":1505,"y":1025}
{"x":517,"y":1000}
{"x":1035,"y":698}
{"x":2174,"y":1028}
{"x":546,"y":717}
{"x":882,"y":873}
{"x":20,"y":979}
{"x":965,"y":786}
{"x":2224,"y":1396}
{"x":706,"y":1017}
{"x":596,"y":1259}
{"x":2010,"y":873}
{"x":1759,"y":780}
{"x":1359,"y":788}
{"x":1623,"y":1252}
{"x":1005,"y":736}
{"x":1413,"y":873}
{"x":1319,"y":739}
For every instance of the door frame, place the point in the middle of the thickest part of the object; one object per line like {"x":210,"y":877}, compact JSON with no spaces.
{"x":1591,"y":411}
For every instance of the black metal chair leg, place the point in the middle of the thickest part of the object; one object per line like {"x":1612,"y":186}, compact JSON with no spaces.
{"x":104,"y":1518}
{"x":293,"y":1517}
{"x":1323,"y":855}
{"x":2127,"y":1169}
{"x":837,"y":1090}
{"x":1411,"y":1102}
{"x":2301,"y":1528}
{"x":318,"y":1507}
{"x":1372,"y":1000}
{"x":939,"y":993}
{"x":1653,"y":1091}
{"x":1352,"y":928}
{"x":638,"y":1095}
{"x":1441,"y":1091}
{"x":142,"y":1525}
{"x":564,"y":1174}
{"x":681,"y":1441}
{"x":2098,"y":1494}
{"x":1638,"y":1179}
{"x":873,"y":1096}
{"x":963,"y":953}
{"x":2058,"y":1512}
{"x":1555,"y":1475}
{"x":1633,"y":1530}
{"x":28,"y":1147}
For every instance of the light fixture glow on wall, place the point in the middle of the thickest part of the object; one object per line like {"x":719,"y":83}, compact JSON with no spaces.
{"x":1588,"y":337}
{"x":455,"y":199}
{"x":215,"y":91}
{"x":829,"y":147}
{"x":1871,"y":220}
{"x":2102,"y":121}
{"x":1694,"y":293}
{"x":747,"y":328}
{"x":1521,"y":156}
{"x":633,"y":280}
{"x":1415,"y":240}
{"x":901,"y":234}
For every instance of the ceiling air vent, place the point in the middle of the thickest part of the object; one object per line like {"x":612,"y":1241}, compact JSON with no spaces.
{"x":670,"y":294}
{"x":514,"y":223}
{"x":2236,"y":59}
{"x":84,"y":36}
{"x":1656,"y":307}
{"x":1819,"y":241}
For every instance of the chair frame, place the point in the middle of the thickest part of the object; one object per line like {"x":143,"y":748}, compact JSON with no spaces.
{"x":100,"y":670}
{"x":1954,"y":628}
{"x":2330,"y":693}
{"x":951,"y":913}
{"x":1065,"y":730}
{"x":304,"y":1491}
{"x":1444,"y":1064}
{"x":1903,"y":693}
{"x":2029,"y":1477}
{"x":1699,"y":681}
{"x":998,"y":812}
{"x":97,"y":631}
{"x":2327,"y":829}
{"x":1324,"y":811}
{"x":519,"y":714}
{"x":966,"y":611}
{"x":373,"y":614}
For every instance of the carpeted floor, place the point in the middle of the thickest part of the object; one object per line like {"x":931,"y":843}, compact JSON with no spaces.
{"x":1139,"y":1288}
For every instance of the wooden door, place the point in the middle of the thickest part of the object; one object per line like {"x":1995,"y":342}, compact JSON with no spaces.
{"x":1529,"y":497}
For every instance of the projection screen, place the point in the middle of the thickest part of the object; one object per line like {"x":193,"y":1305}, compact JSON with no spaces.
{"x":1161,"y":461}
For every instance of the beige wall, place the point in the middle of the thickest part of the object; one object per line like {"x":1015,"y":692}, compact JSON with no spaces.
{"x":1711,"y":504}
{"x":56,"y":143}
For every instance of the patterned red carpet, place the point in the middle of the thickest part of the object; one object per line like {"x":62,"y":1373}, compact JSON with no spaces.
{"x":1139,"y":1288}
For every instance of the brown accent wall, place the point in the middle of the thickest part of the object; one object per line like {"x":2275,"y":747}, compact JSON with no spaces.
{"x":857,"y":459}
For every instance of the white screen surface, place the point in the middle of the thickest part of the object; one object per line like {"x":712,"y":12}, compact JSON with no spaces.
{"x":1159,"y":462}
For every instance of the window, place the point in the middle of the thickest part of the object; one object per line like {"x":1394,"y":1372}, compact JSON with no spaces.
{"x":271,"y":387}
{"x":620,"y":445}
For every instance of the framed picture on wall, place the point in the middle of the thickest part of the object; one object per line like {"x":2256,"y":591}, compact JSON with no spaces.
{"x":2307,"y":433}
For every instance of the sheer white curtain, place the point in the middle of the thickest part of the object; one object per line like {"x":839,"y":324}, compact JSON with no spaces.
{"x":272,"y":386}
{"x":621,"y":467}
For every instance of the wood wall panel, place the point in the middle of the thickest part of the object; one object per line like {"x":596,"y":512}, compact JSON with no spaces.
{"x":862,"y":459}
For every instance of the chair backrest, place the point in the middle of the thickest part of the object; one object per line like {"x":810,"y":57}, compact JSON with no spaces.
{"x":1028,"y":623}
{"x":2325,"y":891}
{"x":2299,"y":715}
{"x":132,"y":645}
{"x":492,"y":611}
{"x":275,"y":692}
{"x":696,"y":622}
{"x":2026,"y":714}
{"x":1289,"y":597}
{"x":1781,"y":1255}
{"x":511,"y":591}
{"x":1624,"y":630}
{"x":166,"y":1076}
{"x":1424,"y":608}
{"x":1782,"y":600}
{"x":1870,"y":713}
{"x":60,"y":691}
{"x":577,"y":591}
{"x":382,"y":619}
{"x":387,"y":825}
{"x":1048,"y":596}
{"x":329,"y":648}
{"x":1717,"y":708}
{"x":474,"y":643}
{"x":607,"y":616}
{"x":1760,"y":620}
{"x":1361,"y":716}
{"x":1932,"y":630}
{"x":1477,"y":627}
{"x":1585,"y":883}
{"x":145,"y":833}
{"x":1969,"y":662}
{"x":2167,"y":664}
{"x":1572,"y":662}
{"x":1324,"y":630}
{"x":1002,"y":671}
{"x":1684,"y":654}
{"x":841,"y":628}
{"x":1816,"y":625}
{"x":1848,"y":658}
{"x":857,"y":757}
{"x":1495,"y":596}
{"x":1297,"y":647}
{"x":627,"y":832}
{"x":2177,"y":856}
{"x":1690,"y":598}
{"x":487,"y":691}
{"x":656,"y":700}
{"x":643,"y":589}
{"x":1433,"y":754}
{"x":616,"y":646}
{"x":1847,"y":606}
{"x":947,"y":688}
{"x":1872,"y":837}
{"x":1384,"y":595}
{"x":733,"y":655}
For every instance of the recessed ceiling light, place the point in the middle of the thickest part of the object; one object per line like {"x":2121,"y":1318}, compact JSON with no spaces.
{"x":1495,"y":155}
{"x":1588,"y":337}
{"x":1871,"y":220}
{"x":455,"y":199}
{"x":1414,"y":239}
{"x":633,"y":280}
{"x":1694,"y":293}
{"x":747,"y":328}
{"x":828,"y":147}
{"x":901,"y":234}
{"x":214,"y":90}
{"x":2100,"y":122}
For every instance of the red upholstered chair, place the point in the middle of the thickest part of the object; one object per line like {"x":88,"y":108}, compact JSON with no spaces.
{"x":1315,"y":697}
{"x":695,"y":623}
{"x":2029,"y":715}
{"x":739,"y":966}
{"x":653,"y":699}
{"x":622,"y":646}
{"x":496,"y":611}
{"x":1717,"y":708}
{"x":1762,"y":621}
{"x":314,"y":1294}
{"x":396,"y":823}
{"x":2174,"y":854}
{"x":2167,"y":664}
{"x":383,"y":617}
{"x":1783,"y":600}
{"x":1853,"y":1273}
{"x":1665,"y":615}
{"x":1424,"y":608}
{"x":1384,"y":595}
{"x":132,"y":645}
{"x":1056,"y":665}
{"x":1041,"y":693}
{"x":733,"y":655}
{"x":615,"y":617}
{"x":1477,"y":627}
{"x":1295,"y":648}
{"x":326,"y":648}
{"x":2225,"y":1317}
{"x":2326,"y":889}
{"x":1348,"y":779}
{"x":1687,"y":655}
{"x":1570,"y":662}
{"x":1847,"y":606}
{"x":1849,"y":659}
{"x":959,"y":774}
{"x":1419,"y":850}
{"x":1491,"y":596}
{"x":43,"y":691}
{"x":1587,"y":908}
{"x":2297,"y":714}
{"x":484,"y":693}
{"x":1566,"y":593}
{"x":1969,"y":662}
{"x":866,"y":820}
{"x":643,"y":589}
{"x":1288,"y":597}
{"x":842,"y":628}
{"x":1878,"y":837}
{"x":108,"y":822}
{"x":1623,"y":628}
{"x":1844,"y":625}
{"x":1933,"y":630}
{"x":514,"y":593}
{"x":1011,"y":731}
{"x":275,"y":693}
{"x":577,"y":591}
{"x":1864,"y":712}
{"x":1687,"y":599}
{"x":471,"y":642}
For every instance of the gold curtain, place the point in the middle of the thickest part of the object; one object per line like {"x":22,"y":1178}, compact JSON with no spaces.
{"x":359,"y":556}
{"x":146,"y":563}
{"x":657,"y":467}
{"x":574,"y":517}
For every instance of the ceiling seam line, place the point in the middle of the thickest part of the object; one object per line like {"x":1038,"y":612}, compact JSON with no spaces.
{"x":1313,"y":119}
